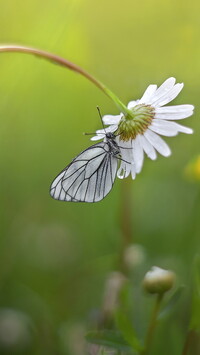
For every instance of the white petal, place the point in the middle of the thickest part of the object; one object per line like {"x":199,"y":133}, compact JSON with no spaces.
{"x":168,"y":129}
{"x":110,"y":119}
{"x":124,"y":170}
{"x":98,"y":137}
{"x":169,"y":96}
{"x":158,"y":143}
{"x":132,"y":104}
{"x":133,"y":172}
{"x":174,"y":109}
{"x":102,"y":132}
{"x":183,"y":129}
{"x":138,"y":154}
{"x":125,"y":149}
{"x":148,"y":148}
{"x":164,"y":128}
{"x":111,"y":128}
{"x":127,"y":158}
{"x":173,"y":116}
{"x":163,"y":89}
{"x":145,"y":99}
{"x":174,"y":112}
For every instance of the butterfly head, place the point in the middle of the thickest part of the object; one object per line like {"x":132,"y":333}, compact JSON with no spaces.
{"x":110,"y":135}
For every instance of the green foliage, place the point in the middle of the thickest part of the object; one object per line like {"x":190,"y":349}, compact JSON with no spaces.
{"x":109,"y":338}
{"x":124,"y":324}
{"x":171,"y":304}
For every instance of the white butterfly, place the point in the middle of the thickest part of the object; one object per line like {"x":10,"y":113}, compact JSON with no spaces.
{"x":91,"y":175}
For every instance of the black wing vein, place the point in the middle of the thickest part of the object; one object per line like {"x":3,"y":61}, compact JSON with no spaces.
{"x":89,"y":177}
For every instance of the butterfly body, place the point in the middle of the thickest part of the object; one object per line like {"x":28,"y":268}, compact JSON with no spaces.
{"x":91,"y":175}
{"x":113,"y":147}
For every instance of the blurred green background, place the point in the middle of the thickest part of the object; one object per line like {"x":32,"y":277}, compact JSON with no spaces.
{"x":55,"y":257}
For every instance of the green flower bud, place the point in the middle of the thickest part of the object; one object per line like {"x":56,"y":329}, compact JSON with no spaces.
{"x":158,"y":280}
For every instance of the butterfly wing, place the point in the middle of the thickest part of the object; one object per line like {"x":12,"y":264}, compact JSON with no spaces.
{"x":88,"y":178}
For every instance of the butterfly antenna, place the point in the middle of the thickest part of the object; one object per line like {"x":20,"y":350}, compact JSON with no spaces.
{"x":98,"y":109}
{"x":89,"y":134}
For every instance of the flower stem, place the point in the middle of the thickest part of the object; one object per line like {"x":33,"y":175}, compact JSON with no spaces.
{"x":187,"y":343}
{"x":126,"y":212}
{"x":192,"y":343}
{"x":67,"y":64}
{"x":152,"y":325}
{"x":125,"y":218}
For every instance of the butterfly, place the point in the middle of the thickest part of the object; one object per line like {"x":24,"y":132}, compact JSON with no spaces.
{"x":91,"y":175}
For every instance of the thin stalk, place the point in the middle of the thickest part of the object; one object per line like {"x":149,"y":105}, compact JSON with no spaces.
{"x":152,"y":325}
{"x":126,"y":213}
{"x":67,"y":64}
{"x":187,"y":343}
{"x":192,"y":343}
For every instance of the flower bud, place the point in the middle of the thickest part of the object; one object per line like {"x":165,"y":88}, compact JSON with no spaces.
{"x":114,"y":283}
{"x":158,"y":280}
{"x":134,"y":255}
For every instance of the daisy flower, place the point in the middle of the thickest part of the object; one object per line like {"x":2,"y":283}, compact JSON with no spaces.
{"x":138,"y":130}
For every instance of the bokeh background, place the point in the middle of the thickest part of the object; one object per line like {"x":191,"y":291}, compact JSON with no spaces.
{"x":55,"y":257}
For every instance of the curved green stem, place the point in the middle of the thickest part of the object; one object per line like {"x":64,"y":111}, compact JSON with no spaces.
{"x":152,"y":325}
{"x":67,"y":64}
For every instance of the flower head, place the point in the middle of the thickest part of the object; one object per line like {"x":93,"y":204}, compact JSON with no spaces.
{"x":158,"y":280}
{"x":139,"y":128}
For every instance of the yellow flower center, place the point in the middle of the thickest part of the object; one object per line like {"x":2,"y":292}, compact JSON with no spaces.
{"x":136,"y":122}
